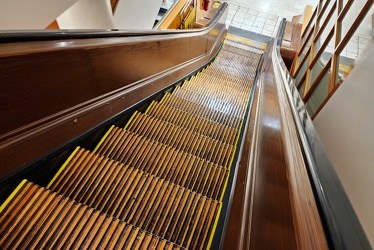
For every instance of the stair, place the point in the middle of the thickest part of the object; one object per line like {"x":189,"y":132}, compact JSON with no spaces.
{"x":37,"y":218}
{"x":156,"y":183}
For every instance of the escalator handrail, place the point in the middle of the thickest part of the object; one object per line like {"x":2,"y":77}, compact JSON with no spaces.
{"x":8,"y":36}
{"x":343,"y":228}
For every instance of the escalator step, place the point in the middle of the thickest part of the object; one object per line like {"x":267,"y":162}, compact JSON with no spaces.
{"x":36,"y":218}
{"x":223,"y":71}
{"x":148,"y":202}
{"x":165,"y":162}
{"x":213,"y":75}
{"x":209,"y":101}
{"x":201,"y":111}
{"x":196,"y":124}
{"x":214,"y":80}
{"x":216,"y":91}
{"x":181,"y":139}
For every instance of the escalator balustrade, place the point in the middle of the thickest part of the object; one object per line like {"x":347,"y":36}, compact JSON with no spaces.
{"x":156,"y":183}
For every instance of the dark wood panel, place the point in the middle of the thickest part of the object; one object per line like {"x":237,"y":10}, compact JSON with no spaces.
{"x":35,"y":86}
{"x":272,"y":219}
{"x":238,"y":224}
{"x":261,"y":214}
{"x":273,"y":206}
{"x":49,"y":98}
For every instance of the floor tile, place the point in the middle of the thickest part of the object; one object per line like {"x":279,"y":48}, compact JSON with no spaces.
{"x":243,"y":10}
{"x":258,"y":24}
{"x":269,"y":27}
{"x":252,"y":12}
{"x":249,"y":20}
{"x":246,"y":26}
{"x":232,"y":12}
{"x":260,"y":19}
{"x":272,"y":17}
{"x":264,"y":17}
{"x":271,"y":22}
{"x":235,"y":24}
{"x":238,"y":19}
{"x":256,"y":30}
{"x":267,"y":33}
{"x":240,"y":14}
{"x":262,"y":14}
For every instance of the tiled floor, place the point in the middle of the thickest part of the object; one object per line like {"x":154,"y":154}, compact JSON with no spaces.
{"x":263,"y":17}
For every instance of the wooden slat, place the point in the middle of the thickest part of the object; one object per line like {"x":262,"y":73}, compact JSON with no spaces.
{"x":131,"y":193}
{"x":204,"y":112}
{"x":197,"y":124}
{"x":181,"y":139}
{"x":167,"y":163}
{"x":37,"y":218}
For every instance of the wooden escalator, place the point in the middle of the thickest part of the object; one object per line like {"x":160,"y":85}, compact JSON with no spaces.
{"x":155,"y":183}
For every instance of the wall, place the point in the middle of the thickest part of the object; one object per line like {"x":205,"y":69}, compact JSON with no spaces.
{"x":87,"y":14}
{"x":30,"y":14}
{"x":139,"y":14}
{"x":345,"y":126}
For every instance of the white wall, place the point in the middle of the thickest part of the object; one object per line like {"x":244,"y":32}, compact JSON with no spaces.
{"x":139,"y":14}
{"x":30,"y":14}
{"x":346,"y":128}
{"x":87,"y":14}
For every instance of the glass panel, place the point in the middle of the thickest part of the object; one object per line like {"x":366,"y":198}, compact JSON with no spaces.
{"x":330,"y":46}
{"x":308,"y":30}
{"x":351,"y":16}
{"x":301,"y":89}
{"x":325,"y":32}
{"x":344,"y":4}
{"x":310,"y":27}
{"x":355,"y":46}
{"x":320,"y":63}
{"x":302,"y":71}
{"x":305,"y":50}
{"x":319,"y":94}
{"x":324,"y":16}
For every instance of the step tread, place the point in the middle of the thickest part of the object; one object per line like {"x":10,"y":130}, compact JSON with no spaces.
{"x":38,"y":218}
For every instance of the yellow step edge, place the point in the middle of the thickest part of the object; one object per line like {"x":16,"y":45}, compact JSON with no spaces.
{"x":232,"y":158}
{"x":214,"y":227}
{"x":11,"y":196}
{"x":63,"y":167}
{"x":162,"y":99}
{"x":246,"y":41}
{"x":131,"y":118}
{"x":225,"y":186}
{"x":175,"y":89}
{"x":102,"y":139}
{"x":149,"y":107}
{"x":238,"y":135}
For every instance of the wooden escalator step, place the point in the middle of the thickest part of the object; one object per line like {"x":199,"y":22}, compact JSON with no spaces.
{"x":37,"y":218}
{"x":197,"y":124}
{"x":182,"y":139}
{"x":209,"y":101}
{"x":135,"y":197}
{"x":201,"y":111}
{"x":168,"y":163}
